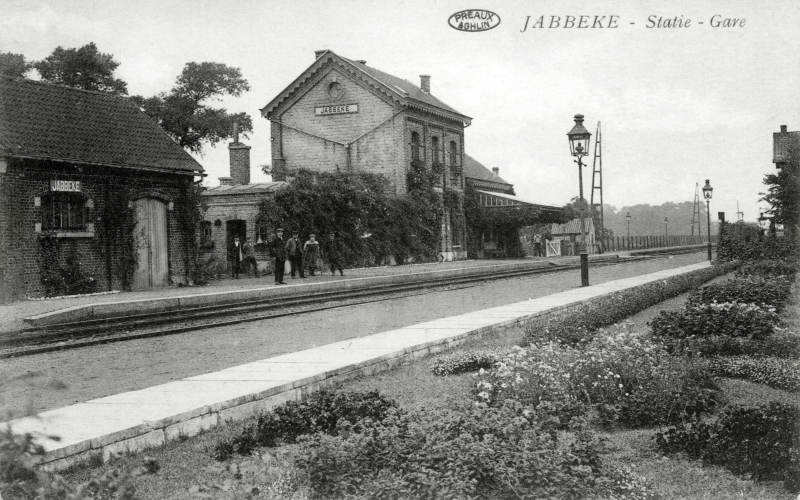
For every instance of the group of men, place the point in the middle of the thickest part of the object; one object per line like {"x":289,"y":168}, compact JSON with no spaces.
{"x":289,"y":253}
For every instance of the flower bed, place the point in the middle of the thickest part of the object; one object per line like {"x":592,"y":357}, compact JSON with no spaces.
{"x":773,"y":292}
{"x":623,"y":376}
{"x":730,"y":318}
{"x":761,"y":442}
{"x":464,"y":361}
{"x":583,"y":321}
{"x":781,"y":344}
{"x":774,"y":372}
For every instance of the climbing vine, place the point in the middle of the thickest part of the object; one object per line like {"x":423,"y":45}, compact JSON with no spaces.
{"x":69,"y":279}
{"x":116,"y":233}
{"x":191,"y":207}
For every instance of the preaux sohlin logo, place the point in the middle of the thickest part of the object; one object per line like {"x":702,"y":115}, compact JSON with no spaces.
{"x":474,"y":20}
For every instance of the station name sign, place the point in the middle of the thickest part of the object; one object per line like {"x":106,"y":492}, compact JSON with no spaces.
{"x":65,"y":186}
{"x":336,"y":109}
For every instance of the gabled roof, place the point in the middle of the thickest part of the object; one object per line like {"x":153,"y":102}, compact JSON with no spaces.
{"x":475,"y":170}
{"x":53,"y":122}
{"x":394,"y":88}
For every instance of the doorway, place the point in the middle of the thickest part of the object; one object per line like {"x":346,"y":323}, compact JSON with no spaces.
{"x":151,"y":244}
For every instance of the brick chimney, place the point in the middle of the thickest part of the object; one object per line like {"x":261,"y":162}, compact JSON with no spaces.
{"x":240,"y":160}
{"x":496,"y":171}
{"x":783,"y":129}
{"x":425,"y":83}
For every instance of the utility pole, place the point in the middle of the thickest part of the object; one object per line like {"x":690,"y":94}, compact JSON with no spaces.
{"x":696,"y":210}
{"x":597,"y":180}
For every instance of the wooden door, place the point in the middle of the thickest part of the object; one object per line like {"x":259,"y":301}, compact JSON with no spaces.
{"x":151,"y":242}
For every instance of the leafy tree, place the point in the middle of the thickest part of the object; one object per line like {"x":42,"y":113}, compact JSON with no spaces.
{"x":184,"y":114}
{"x":13,"y":65}
{"x":84,"y":68}
{"x":784,"y":194}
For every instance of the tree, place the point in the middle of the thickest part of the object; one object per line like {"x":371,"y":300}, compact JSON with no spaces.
{"x":84,"y":68}
{"x":784,"y":192}
{"x":183,"y":113}
{"x":13,"y":65}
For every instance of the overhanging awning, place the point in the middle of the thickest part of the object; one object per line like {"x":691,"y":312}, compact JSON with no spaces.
{"x":489,"y":199}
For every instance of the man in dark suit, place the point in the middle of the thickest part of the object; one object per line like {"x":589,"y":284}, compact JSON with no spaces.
{"x":278,"y":250}
{"x":236,"y":255}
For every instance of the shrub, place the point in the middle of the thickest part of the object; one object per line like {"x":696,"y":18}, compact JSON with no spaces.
{"x":20,"y":480}
{"x":772,"y":292}
{"x":768,"y":268}
{"x":774,"y":372}
{"x":321,"y":412}
{"x":469,"y":452}
{"x":580,"y":325}
{"x":729,"y":318}
{"x":463,"y":362}
{"x":760,"y":442}
{"x":731,"y":247}
{"x":781,"y":344}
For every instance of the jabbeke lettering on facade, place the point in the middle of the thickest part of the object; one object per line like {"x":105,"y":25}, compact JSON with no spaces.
{"x":65,"y":186}
{"x":336,"y":109}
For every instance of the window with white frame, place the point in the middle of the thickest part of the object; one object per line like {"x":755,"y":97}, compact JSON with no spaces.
{"x":64,"y":211}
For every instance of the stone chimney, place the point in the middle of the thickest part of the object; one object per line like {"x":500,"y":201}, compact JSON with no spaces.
{"x":783,"y":129}
{"x":318,"y":53}
{"x":496,"y":171}
{"x":240,"y":160}
{"x":425,"y":83}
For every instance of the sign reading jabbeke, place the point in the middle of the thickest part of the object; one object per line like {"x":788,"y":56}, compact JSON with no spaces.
{"x":65,"y":186}
{"x":336,"y":109}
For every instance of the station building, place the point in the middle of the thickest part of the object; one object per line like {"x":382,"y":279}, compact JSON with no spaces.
{"x":343,"y":115}
{"x":67,"y":158}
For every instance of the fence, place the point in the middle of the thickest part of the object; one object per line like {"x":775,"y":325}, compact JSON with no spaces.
{"x":617,"y":243}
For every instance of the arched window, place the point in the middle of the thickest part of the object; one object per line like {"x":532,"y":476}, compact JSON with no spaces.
{"x":217,"y":223}
{"x":64,"y":211}
{"x":414,"y":146}
{"x":435,"y":148}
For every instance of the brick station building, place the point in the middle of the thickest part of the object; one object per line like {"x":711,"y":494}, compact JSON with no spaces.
{"x":66,"y":157}
{"x":342,"y":115}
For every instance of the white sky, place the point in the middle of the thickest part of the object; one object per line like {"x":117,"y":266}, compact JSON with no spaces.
{"x":677,"y":106}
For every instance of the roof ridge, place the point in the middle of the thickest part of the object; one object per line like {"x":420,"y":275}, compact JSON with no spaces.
{"x":62,"y":86}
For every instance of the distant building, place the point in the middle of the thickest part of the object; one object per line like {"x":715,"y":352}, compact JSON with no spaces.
{"x":785,"y":151}
{"x":66,"y":157}
{"x":233,"y":206}
{"x":495,"y":193}
{"x":568,"y":237}
{"x":342,"y":115}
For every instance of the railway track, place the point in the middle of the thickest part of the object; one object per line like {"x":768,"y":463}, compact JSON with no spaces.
{"x":100,"y":331}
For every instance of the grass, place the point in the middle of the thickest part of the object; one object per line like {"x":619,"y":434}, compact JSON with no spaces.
{"x":188,"y":471}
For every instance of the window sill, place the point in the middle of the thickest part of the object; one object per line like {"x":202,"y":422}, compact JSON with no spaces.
{"x":67,"y":234}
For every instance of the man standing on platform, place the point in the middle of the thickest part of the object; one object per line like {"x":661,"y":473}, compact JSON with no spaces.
{"x":334,"y":254}
{"x":537,"y":245}
{"x":250,"y":257}
{"x":236,"y":256}
{"x":278,"y":251}
{"x":295,"y":251}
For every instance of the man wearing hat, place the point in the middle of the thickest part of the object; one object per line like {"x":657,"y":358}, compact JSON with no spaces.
{"x":278,"y":251}
{"x":295,"y":251}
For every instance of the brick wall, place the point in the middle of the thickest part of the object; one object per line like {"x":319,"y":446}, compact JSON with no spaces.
{"x":244,"y":207}
{"x":25,"y":180}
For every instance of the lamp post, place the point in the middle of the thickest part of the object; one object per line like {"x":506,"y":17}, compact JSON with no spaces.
{"x":666,"y":228}
{"x":628,"y":218}
{"x":579,"y":147}
{"x":707,"y":189}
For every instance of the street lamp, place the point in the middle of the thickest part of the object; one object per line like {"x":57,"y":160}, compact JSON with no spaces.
{"x":707,"y":189}
{"x":579,"y":147}
{"x":628,"y":218}
{"x":666,"y":228}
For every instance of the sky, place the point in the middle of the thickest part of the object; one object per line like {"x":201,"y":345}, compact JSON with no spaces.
{"x":677,"y":105}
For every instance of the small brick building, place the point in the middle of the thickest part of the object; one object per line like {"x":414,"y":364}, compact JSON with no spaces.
{"x":342,"y":115}
{"x":67,"y":157}
{"x":233,"y":207}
